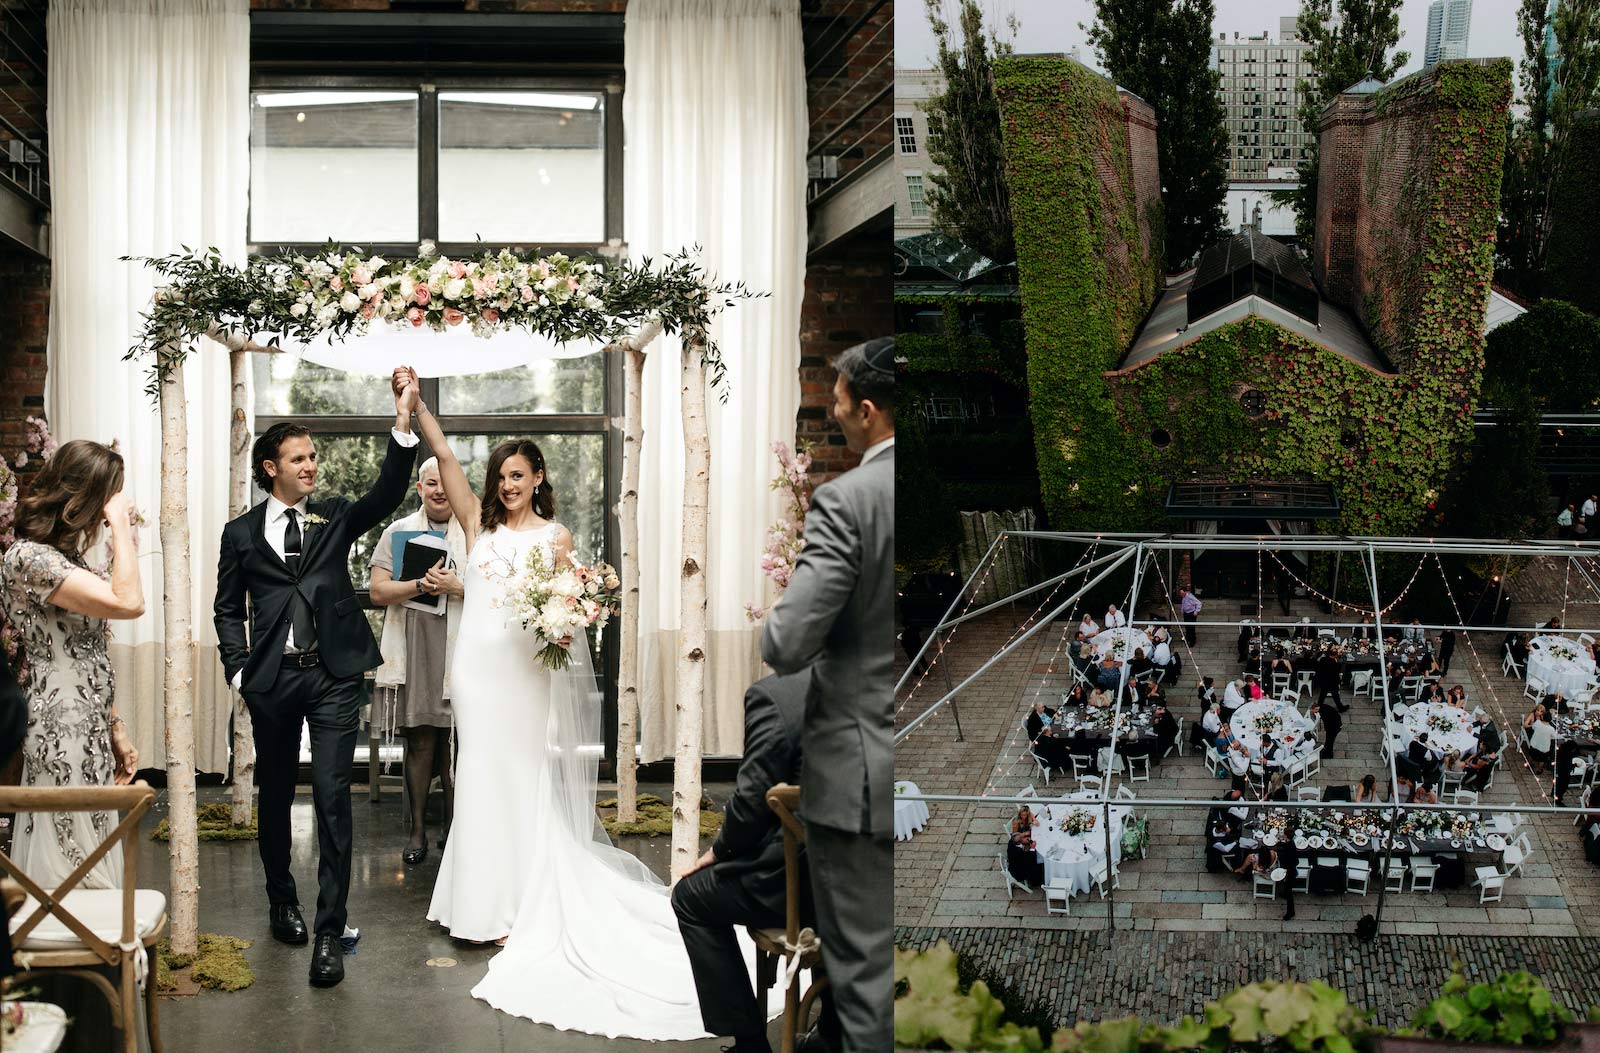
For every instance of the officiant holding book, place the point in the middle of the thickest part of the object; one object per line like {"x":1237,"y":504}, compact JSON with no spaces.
{"x":415,"y":578}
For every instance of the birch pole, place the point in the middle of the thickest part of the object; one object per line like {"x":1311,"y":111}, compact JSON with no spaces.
{"x":244,"y":743}
{"x":691,"y":683}
{"x":178,"y":682}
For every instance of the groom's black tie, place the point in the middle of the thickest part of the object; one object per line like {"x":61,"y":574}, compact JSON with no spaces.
{"x":305,"y":626}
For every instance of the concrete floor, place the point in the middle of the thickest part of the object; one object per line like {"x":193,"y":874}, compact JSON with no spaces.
{"x":392,"y":999}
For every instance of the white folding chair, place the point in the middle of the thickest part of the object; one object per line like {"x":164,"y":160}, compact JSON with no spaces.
{"x":1465,"y":797}
{"x":1395,"y":875}
{"x":1041,"y":764}
{"x":1450,"y":781}
{"x":1302,"y":878}
{"x":1099,"y":876}
{"x":1177,"y":743}
{"x":1585,"y":638}
{"x":1028,"y":791}
{"x":1525,"y":845}
{"x":1305,"y":676}
{"x":1280,"y":683}
{"x":1125,"y":793}
{"x":1265,"y":886}
{"x":1422,"y":872}
{"x":1361,"y":683}
{"x":1081,"y":765}
{"x":1490,"y":880}
{"x":1509,"y":667}
{"x":1012,"y":882}
{"x":1313,"y":763}
{"x":1290,"y":695}
{"x":1357,"y":872}
{"x":1534,"y":688}
{"x":1326,"y":632}
{"x":1294,"y":771}
{"x":1309,"y":793}
{"x":1110,"y":762}
{"x":1091,"y":782}
{"x":1137,"y":765}
{"x":1214,"y":761}
{"x":1057,"y":892}
{"x":1410,"y":687}
{"x":1513,"y":858}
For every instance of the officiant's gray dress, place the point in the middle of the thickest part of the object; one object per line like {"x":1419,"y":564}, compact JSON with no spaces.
{"x":69,"y":690}
{"x":420,"y":701}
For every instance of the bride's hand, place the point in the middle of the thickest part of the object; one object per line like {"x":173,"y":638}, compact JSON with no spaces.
{"x":564,"y":642}
{"x":127,"y":756}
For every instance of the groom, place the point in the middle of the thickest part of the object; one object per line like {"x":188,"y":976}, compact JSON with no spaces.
{"x":303,"y":658}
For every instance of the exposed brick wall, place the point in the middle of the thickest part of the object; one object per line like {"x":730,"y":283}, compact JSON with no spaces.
{"x":1139,"y":123}
{"x":25,"y":305}
{"x":849,"y":298}
{"x":1339,"y":180}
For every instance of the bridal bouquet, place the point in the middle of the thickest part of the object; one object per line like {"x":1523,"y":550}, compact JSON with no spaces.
{"x":557,"y":603}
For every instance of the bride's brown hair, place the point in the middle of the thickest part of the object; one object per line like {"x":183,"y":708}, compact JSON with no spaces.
{"x":544,"y":498}
{"x":66,"y":504}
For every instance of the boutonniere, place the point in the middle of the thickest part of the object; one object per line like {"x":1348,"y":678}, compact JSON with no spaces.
{"x":312,"y":519}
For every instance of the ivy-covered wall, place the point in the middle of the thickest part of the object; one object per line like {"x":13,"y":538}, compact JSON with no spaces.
{"x":1089,"y":274}
{"x":1109,"y":442}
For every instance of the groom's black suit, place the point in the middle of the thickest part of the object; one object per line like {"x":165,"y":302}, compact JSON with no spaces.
{"x":324,"y":691}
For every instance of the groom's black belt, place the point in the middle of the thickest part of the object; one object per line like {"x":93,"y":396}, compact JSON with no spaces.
{"x":302,"y":659}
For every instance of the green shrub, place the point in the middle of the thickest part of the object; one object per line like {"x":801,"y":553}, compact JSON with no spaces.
{"x":1516,"y":1009}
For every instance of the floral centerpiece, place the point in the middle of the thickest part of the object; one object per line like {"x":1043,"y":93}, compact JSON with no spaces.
{"x":1078,"y":821}
{"x":1559,"y":648}
{"x":1267,"y":722}
{"x":1443,"y":723}
{"x":558,"y":603}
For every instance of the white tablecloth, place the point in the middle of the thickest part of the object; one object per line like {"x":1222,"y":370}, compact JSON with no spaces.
{"x":1462,"y":739}
{"x":909,"y":816}
{"x":1567,"y":675}
{"x":1291,"y":725}
{"x":1070,"y":858}
{"x":44,"y":1027}
{"x":1138,"y":639}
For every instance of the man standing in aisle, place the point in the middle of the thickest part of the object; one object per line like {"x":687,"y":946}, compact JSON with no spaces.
{"x":1190,"y":606}
{"x":837,"y":616}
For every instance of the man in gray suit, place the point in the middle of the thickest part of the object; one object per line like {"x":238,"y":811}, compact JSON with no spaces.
{"x":837,"y":616}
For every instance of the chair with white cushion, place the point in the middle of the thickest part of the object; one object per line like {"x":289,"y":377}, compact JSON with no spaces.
{"x":1057,"y":892}
{"x":80,"y":931}
{"x":1357,"y":872}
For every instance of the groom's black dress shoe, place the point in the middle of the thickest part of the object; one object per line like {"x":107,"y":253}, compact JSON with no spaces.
{"x":327,"y":961}
{"x":287,"y":924}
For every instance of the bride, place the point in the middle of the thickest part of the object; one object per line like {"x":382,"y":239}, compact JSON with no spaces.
{"x":591,"y":941}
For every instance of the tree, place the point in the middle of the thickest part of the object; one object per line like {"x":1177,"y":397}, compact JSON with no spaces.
{"x":1341,"y":56}
{"x":1161,"y":51}
{"x":969,"y":200}
{"x":1540,"y":146}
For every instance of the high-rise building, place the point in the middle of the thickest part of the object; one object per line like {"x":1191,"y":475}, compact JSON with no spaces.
{"x":1448,"y":24}
{"x":1261,"y":96}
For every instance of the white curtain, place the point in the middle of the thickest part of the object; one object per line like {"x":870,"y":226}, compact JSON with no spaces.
{"x":149,"y":150}
{"x":715,"y":118}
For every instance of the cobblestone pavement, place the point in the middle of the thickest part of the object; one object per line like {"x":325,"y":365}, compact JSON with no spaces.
{"x":1165,"y":975}
{"x":948,"y":874}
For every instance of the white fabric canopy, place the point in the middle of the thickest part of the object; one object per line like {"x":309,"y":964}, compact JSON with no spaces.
{"x":149,"y":150}
{"x":715,"y":114}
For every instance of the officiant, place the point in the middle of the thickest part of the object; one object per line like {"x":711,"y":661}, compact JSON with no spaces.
{"x":422,"y":608}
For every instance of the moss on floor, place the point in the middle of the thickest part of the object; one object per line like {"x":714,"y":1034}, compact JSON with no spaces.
{"x":218,"y":964}
{"x":216,"y":824}
{"x":655,"y":817}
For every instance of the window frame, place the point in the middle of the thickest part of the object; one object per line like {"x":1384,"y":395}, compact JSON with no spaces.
{"x":607,"y":422}
{"x":905,"y":129}
{"x":918,"y":200}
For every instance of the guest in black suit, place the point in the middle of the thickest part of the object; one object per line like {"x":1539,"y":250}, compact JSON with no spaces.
{"x":284,"y":567}
{"x":1036,"y":720}
{"x":740,"y":878}
{"x":1166,"y":729}
{"x":1447,"y":647}
{"x":1332,"y":722}
{"x":1366,"y":630}
{"x":1326,"y":680}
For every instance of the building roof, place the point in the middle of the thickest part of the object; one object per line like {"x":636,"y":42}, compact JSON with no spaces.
{"x":1367,"y":86}
{"x":1168,"y":327}
{"x":1501,"y":310}
{"x":938,"y":258}
{"x":1246,"y":263}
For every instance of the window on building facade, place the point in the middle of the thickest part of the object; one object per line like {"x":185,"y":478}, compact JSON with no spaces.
{"x":915,"y":193}
{"x":906,"y":128}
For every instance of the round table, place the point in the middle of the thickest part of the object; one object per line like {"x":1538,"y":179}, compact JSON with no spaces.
{"x":1459,"y":734}
{"x":1070,"y":859}
{"x":1137,"y":639}
{"x":1291,"y":725}
{"x":1559,"y":672}
{"x":909,"y":816}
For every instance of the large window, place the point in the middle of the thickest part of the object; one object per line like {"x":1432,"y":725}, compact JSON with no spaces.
{"x":906,"y":129}
{"x":916,"y":194}
{"x":382,"y":163}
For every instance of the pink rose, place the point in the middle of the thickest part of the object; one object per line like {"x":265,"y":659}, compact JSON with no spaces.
{"x":335,"y":284}
{"x":366,"y":310}
{"x":526,"y":292}
{"x":453,"y":316}
{"x":415,"y":316}
{"x":572,"y":284}
{"x":491,"y":316}
{"x":423,"y":296}
{"x":458,"y":269}
{"x":361,"y":276}
{"x":482,"y":289}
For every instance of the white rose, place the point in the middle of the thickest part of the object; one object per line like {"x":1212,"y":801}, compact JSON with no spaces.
{"x":376,"y":263}
{"x":454,"y":288}
{"x":349,"y":302}
{"x":407,"y":288}
{"x":327,"y":314}
{"x":396,"y":304}
{"x":298,"y":310}
{"x":368,"y":291}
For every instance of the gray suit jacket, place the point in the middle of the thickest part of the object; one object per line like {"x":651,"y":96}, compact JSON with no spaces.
{"x":837,"y":615}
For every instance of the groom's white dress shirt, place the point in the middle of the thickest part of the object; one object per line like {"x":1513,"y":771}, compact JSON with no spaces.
{"x":277,"y":525}
{"x":876,"y":448}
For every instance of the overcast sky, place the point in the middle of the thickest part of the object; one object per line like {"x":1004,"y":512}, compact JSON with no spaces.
{"x":1052,"y":25}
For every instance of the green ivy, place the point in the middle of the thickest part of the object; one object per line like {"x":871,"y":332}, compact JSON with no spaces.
{"x":1087,"y":286}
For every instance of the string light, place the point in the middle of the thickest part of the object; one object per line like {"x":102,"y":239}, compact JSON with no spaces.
{"x":944,"y":641}
{"x":1346,"y":606}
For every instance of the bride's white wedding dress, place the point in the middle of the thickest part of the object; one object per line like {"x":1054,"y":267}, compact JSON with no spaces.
{"x":594,"y":944}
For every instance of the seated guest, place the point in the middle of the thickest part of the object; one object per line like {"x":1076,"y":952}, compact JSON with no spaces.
{"x":1366,"y":631}
{"x":1088,"y":627}
{"x":1249,"y":633}
{"x":1305,"y":630}
{"x":1237,"y":809}
{"x":1234,"y":695}
{"x":1211,"y":722}
{"x":1163,"y":657}
{"x":1261,"y":861}
{"x":1414,"y":632}
{"x":1431,"y":694}
{"x":1108,"y":673}
{"x":1281,"y":664}
{"x":1367,"y":789}
{"x":1081,"y":654}
{"x":1276,"y":790}
{"x":1166,"y":729}
{"x":1479,"y":769}
{"x":1024,"y":821}
{"x":1541,"y":742}
{"x":1423,"y":793}
{"x":1041,"y":718}
{"x":1403,"y":789}
{"x":1536,"y":713}
{"x":1457,"y":696}
{"x":1565,"y":755}
{"x":1225,"y":739}
{"x":1517,"y":648}
{"x":1553,"y":623}
{"x":1420,"y":753}
{"x":1078,"y":696}
{"x":1022,"y":859}
{"x":1222,"y":846}
{"x":1114,"y":618}
{"x":1488,"y":735}
{"x":1453,"y":765}
{"x":1139,"y":665}
{"x":1253,"y":687}
{"x":1099,"y":698}
{"x":740,"y":879}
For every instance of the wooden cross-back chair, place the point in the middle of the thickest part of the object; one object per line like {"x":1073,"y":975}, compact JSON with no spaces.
{"x":775,"y":945}
{"x":73,"y":931}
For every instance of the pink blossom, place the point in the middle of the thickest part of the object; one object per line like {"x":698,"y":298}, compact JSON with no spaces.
{"x":526,"y":292}
{"x":360,"y":275}
{"x":572,"y":284}
{"x":482,"y":288}
{"x":458,"y":269}
{"x":490,"y":315}
{"x":415,"y":316}
{"x":367,"y":310}
{"x":453,"y":316}
{"x":422,"y":296}
{"x":335,"y":284}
